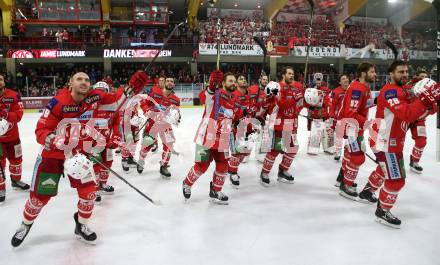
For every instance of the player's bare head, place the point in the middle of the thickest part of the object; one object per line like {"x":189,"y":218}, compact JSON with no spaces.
{"x":229,"y":81}
{"x":398,"y":71}
{"x":242,"y":81}
{"x":264,"y":80}
{"x":162,"y":81}
{"x":80,"y":83}
{"x":169,"y":83}
{"x":366,"y":71}
{"x":344,"y":80}
{"x":288,"y":74}
{"x":421,"y":74}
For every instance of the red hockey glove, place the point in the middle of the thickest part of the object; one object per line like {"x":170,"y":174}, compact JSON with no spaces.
{"x":430,"y":95}
{"x":114,"y":142}
{"x":215,"y":79}
{"x":137,"y":82}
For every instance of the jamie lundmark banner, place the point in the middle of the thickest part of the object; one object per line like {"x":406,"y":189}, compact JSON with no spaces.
{"x":230,"y":49}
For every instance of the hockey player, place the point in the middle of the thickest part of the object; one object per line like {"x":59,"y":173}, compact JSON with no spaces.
{"x":320,"y":129}
{"x":417,"y":128}
{"x":337,"y":96}
{"x":213,"y":136}
{"x":165,"y":102}
{"x":244,"y":131}
{"x":387,"y":138}
{"x":105,"y":125}
{"x":287,"y":104}
{"x":11,"y":112}
{"x":63,"y":151}
{"x":353,"y":115}
{"x":261,"y":111}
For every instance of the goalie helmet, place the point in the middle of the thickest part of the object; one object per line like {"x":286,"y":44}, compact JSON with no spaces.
{"x":102,"y":86}
{"x":318,"y":77}
{"x":422,"y":85}
{"x":78,"y":166}
{"x":4,"y":126}
{"x":272,"y":88}
{"x":313,"y":97}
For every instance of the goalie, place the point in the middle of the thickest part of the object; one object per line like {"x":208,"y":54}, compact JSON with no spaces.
{"x":318,"y":123}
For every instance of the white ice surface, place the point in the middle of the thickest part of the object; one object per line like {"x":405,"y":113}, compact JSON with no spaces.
{"x":304,"y":223}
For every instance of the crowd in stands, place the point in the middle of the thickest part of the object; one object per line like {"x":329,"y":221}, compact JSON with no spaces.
{"x":45,"y":80}
{"x":325,"y":33}
{"x":233,"y":31}
{"x":182,"y":73}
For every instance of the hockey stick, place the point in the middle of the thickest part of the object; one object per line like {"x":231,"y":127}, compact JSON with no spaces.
{"x":436,"y":4}
{"x":217,"y":92}
{"x":393,"y":48}
{"x":124,"y":180}
{"x":309,"y":37}
{"x":260,"y":43}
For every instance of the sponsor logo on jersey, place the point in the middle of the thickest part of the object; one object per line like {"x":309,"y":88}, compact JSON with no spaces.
{"x":393,"y":142}
{"x":70,"y":108}
{"x":8,"y":100}
{"x":356,"y":94}
{"x":92,"y":99}
{"x":392,"y":93}
{"x":86,"y":115}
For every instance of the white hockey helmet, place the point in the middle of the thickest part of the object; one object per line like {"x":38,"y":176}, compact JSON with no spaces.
{"x":313,"y":97}
{"x":272,"y":88}
{"x":102,"y":86}
{"x":318,"y":77}
{"x":78,"y":166}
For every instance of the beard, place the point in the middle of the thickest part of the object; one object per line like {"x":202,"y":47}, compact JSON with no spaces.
{"x":230,"y":88}
{"x":169,"y":88}
{"x":400,"y":82}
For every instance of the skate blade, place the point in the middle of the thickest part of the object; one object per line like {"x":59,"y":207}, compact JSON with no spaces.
{"x":343,"y":194}
{"x":312,"y":154}
{"x":215,"y":201}
{"x":365,"y":201}
{"x":266,"y":185}
{"x":165,"y":177}
{"x":385,"y":223}
{"x":186,"y":201}
{"x":415,"y":171}
{"x":237,"y":187}
{"x":81,"y":239}
{"x":337,"y":184}
{"x":285,"y":181}
{"x":107,"y":193}
{"x":20,"y":189}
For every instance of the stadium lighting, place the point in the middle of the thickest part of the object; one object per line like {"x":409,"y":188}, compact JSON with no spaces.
{"x":392,"y":1}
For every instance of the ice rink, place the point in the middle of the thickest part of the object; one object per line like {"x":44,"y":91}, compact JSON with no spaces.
{"x":304,"y":223}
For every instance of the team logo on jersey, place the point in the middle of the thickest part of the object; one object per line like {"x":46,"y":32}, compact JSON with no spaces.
{"x":69,"y":108}
{"x":393,"y":142}
{"x":52,"y":103}
{"x":356,"y":94}
{"x":392,"y":93}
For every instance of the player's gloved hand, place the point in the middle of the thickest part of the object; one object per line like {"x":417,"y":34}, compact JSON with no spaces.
{"x":137,"y":83}
{"x":215,"y":79}
{"x":430,"y":95}
{"x":114,"y":142}
{"x":53,"y":141}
